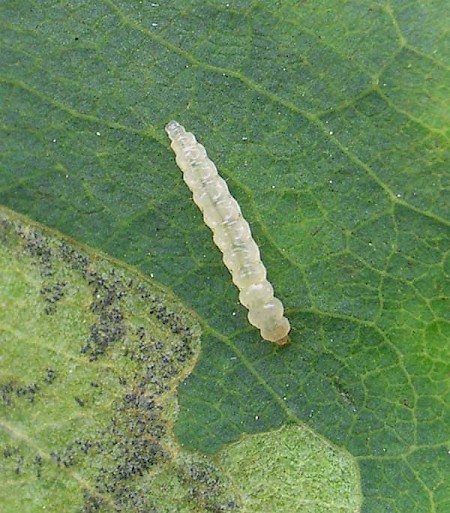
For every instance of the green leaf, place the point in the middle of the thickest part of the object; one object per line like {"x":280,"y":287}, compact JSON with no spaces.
{"x":330,"y":122}
{"x":92,"y":354}
{"x":292,"y":470}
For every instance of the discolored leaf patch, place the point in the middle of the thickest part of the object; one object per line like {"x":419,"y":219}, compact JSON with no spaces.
{"x":92,"y":354}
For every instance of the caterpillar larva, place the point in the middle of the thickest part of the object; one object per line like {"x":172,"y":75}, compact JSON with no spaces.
{"x":231,"y":233}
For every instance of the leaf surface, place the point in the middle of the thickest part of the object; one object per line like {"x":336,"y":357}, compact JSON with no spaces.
{"x":92,"y":355}
{"x":330,"y":123}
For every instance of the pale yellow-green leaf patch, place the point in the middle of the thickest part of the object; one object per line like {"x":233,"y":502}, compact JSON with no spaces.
{"x":91,"y":356}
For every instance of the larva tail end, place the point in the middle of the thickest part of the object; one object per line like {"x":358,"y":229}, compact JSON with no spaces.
{"x":172,"y":126}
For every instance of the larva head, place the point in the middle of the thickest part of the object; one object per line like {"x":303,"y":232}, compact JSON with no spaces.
{"x":270,"y":321}
{"x":277,"y":332}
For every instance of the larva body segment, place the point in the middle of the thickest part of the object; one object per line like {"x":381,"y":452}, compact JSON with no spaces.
{"x":231,"y":234}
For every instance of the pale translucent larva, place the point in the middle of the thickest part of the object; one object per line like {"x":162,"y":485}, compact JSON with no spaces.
{"x":231,"y":233}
